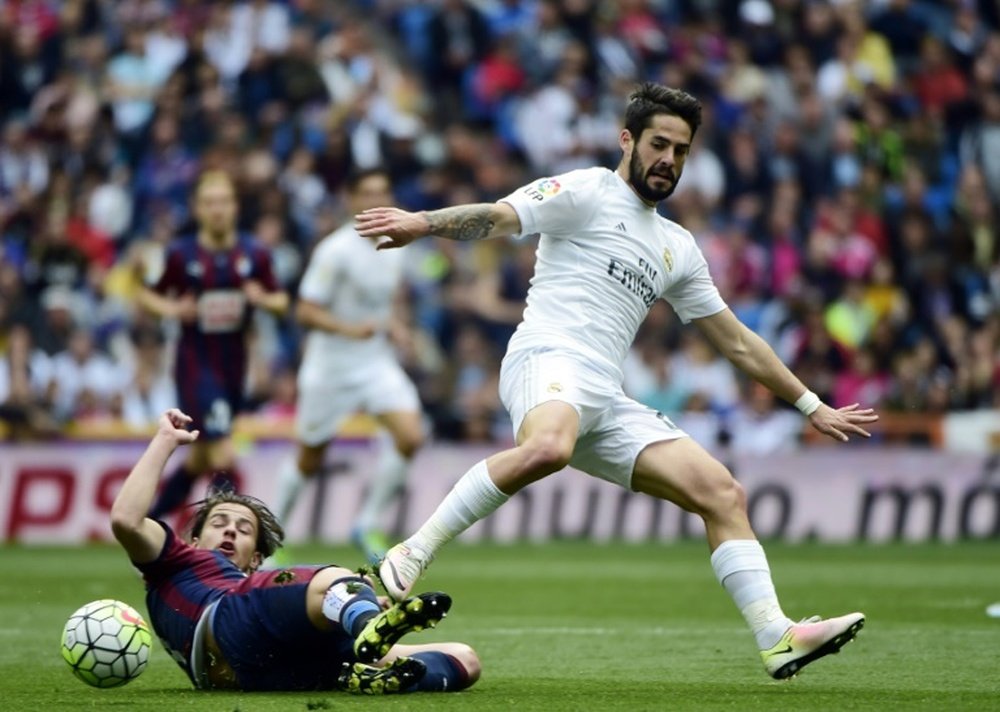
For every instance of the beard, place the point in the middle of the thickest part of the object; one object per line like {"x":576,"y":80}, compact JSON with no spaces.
{"x":639,"y":176}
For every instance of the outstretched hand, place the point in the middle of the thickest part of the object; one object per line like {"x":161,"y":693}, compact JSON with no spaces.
{"x":173,"y":426}
{"x":838,"y":423}
{"x":400,"y":227}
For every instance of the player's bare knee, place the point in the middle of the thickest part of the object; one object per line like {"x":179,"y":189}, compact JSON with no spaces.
{"x":741,"y":496}
{"x":726,"y":496}
{"x":221,"y":455}
{"x":713,"y":493}
{"x":461,"y":653}
{"x":407,"y":445}
{"x":468,"y":659}
{"x":310,"y":460}
{"x":197,"y":459}
{"x":547,"y":453}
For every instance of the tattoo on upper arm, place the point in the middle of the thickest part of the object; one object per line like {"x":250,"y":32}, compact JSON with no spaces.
{"x":463,"y":222}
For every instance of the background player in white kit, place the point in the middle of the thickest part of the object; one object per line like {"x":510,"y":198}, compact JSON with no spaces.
{"x":604,"y":257}
{"x":346,"y":299}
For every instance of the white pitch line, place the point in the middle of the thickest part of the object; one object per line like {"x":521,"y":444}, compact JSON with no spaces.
{"x":579,"y":630}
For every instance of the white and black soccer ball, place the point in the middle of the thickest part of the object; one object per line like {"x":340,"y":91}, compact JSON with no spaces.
{"x":106,"y":643}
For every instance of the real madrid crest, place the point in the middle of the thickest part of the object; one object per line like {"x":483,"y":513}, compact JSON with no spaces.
{"x":668,"y":259}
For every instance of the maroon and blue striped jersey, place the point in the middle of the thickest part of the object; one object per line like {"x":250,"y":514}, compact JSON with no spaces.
{"x":184,"y":580}
{"x":210,"y":368}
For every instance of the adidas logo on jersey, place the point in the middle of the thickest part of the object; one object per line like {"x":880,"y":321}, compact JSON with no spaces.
{"x":621,"y":226}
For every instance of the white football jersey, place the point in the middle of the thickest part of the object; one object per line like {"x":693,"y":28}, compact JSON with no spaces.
{"x":356,"y":283}
{"x":604,"y":257}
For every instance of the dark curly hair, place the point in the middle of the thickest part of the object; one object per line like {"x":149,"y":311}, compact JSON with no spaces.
{"x":650,"y":99}
{"x":270,"y":535}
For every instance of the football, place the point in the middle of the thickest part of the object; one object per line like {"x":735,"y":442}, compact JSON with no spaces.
{"x":106,"y":643}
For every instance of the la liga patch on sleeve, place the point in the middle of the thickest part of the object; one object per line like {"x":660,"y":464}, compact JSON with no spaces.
{"x":544,"y":188}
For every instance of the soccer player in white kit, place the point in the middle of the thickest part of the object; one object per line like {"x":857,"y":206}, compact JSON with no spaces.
{"x":346,"y":299}
{"x":604,"y":257}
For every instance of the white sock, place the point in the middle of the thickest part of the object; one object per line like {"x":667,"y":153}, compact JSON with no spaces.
{"x":390,"y":475}
{"x":290,"y":484}
{"x":472,"y":498}
{"x":741,"y":567}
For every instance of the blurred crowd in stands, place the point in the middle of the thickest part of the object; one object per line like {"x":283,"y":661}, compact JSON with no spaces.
{"x":844,"y":186}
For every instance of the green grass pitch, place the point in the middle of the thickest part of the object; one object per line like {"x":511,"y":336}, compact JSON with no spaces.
{"x":580,"y":626}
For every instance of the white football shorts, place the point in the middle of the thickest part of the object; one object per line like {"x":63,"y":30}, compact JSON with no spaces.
{"x":323,"y":406}
{"x":614,"y":428}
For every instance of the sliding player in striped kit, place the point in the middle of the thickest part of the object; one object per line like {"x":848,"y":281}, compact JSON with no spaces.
{"x":230,"y":626}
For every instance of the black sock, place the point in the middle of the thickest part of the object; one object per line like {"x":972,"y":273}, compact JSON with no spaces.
{"x":444,"y":673}
{"x":174,"y":493}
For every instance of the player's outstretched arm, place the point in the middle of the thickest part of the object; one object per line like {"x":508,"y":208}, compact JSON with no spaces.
{"x":141,"y":537}
{"x":477,"y":221}
{"x":313,"y":315}
{"x":752,"y":355}
{"x":184,"y":308}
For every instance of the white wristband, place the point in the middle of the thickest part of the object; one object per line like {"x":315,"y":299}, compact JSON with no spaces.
{"x":808,"y":402}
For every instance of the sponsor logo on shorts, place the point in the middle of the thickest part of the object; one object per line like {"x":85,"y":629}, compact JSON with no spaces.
{"x":555,"y":388}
